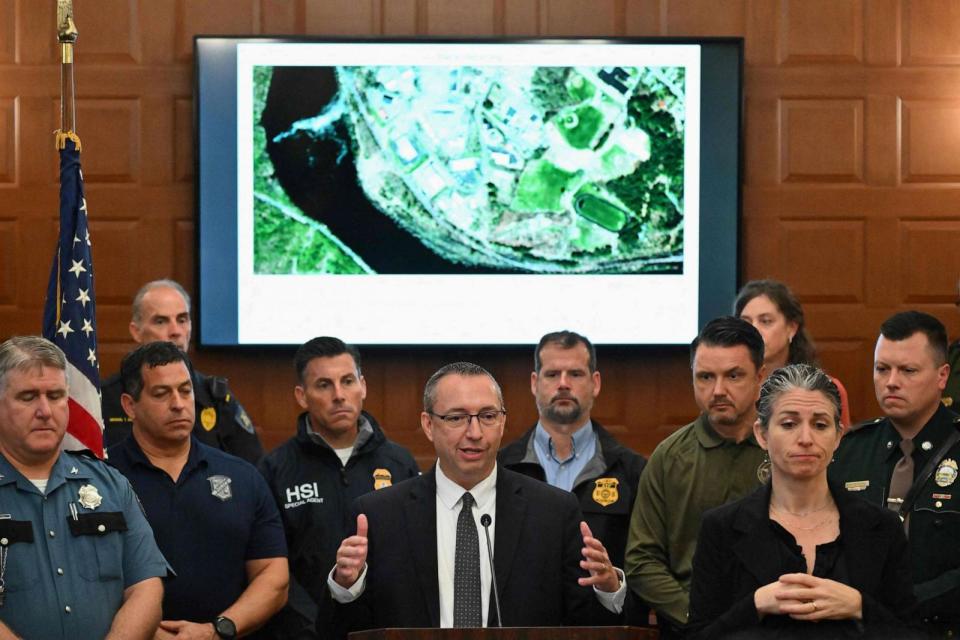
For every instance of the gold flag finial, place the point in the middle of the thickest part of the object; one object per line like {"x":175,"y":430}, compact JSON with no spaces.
{"x":66,"y":29}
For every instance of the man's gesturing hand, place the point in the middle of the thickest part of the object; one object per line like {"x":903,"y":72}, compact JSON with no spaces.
{"x":352,"y":555}
{"x":597,"y":562}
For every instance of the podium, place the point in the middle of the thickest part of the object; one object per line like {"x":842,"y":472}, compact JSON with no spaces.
{"x":511,"y":633}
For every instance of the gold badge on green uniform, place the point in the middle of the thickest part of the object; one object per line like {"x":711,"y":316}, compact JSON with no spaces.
{"x":208,"y":418}
{"x":946,"y":473}
{"x":606,"y":493}
{"x":382,"y":478}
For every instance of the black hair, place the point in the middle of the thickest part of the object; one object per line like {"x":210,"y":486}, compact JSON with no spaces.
{"x":152,"y":354}
{"x":323,"y":347}
{"x":727,"y":331}
{"x":901,"y":326}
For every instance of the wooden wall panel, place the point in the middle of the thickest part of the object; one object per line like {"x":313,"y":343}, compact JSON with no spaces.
{"x":815,"y":31}
{"x":212,"y":17}
{"x":931,"y":140}
{"x":116,"y":23}
{"x":8,"y":141}
{"x":706,"y":17}
{"x":280,"y":17}
{"x":336,"y":17}
{"x":577,"y":18}
{"x":929,"y":265}
{"x":881,"y":32}
{"x":851,"y":179}
{"x":930,"y":29}
{"x":9,"y":238}
{"x":112,"y":146}
{"x":399,"y":18}
{"x":821,"y":140}
{"x":8,"y":31}
{"x":831,"y":254}
{"x":183,"y":140}
{"x":452,"y":17}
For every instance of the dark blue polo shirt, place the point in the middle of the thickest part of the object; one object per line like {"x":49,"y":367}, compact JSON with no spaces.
{"x":218,"y":515}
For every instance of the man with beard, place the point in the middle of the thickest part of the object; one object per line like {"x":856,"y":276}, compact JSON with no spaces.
{"x":569,"y":450}
{"x":707,"y":463}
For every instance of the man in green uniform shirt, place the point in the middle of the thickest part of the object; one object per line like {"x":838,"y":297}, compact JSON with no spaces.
{"x":907,"y":461}
{"x":707,"y":463}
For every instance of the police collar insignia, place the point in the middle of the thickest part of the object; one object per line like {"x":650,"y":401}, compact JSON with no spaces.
{"x":220,"y":487}
{"x":946,"y":473}
{"x":74,"y":470}
{"x":606,"y":492}
{"x":382,"y":478}
{"x":89,"y":496}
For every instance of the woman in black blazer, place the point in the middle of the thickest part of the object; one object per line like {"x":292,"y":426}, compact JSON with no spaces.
{"x":799,"y":558}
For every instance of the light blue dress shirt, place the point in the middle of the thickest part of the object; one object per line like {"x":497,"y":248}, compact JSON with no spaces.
{"x":563,"y":473}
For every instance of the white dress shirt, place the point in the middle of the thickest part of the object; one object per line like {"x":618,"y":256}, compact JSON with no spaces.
{"x":449,"y":504}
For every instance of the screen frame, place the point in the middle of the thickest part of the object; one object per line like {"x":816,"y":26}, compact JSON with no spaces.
{"x":719,"y":260}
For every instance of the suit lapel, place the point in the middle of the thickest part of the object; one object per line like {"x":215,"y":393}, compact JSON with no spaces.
{"x":421,"y":524}
{"x":511,"y":510}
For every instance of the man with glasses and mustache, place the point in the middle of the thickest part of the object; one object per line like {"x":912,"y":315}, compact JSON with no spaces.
{"x":419,"y":555}
{"x":571,"y":451}
{"x":707,"y":463}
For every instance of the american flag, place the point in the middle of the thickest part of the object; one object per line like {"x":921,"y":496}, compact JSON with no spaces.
{"x":69,"y":317}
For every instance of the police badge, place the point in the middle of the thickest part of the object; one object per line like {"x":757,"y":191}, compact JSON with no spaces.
{"x":946,"y":473}
{"x":89,"y":496}
{"x":605,"y":492}
{"x":220,"y":487}
{"x":208,"y":418}
{"x":382,"y":478}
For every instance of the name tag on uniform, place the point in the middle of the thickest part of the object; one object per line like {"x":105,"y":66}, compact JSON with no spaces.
{"x":856,"y":485}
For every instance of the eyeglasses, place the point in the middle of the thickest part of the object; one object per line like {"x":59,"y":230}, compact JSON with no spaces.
{"x":489,"y":418}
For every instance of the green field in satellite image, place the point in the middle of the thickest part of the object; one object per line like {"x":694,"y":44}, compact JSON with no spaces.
{"x":554,"y":170}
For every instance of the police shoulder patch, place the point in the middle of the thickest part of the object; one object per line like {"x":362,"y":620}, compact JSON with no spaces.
{"x":220,"y":487}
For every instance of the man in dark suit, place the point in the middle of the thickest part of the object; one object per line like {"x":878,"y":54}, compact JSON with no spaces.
{"x":419,"y":558}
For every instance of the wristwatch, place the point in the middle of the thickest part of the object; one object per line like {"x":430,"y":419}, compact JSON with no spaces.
{"x":225,"y":628}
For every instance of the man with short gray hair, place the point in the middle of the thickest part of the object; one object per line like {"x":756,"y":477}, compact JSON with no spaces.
{"x":161,"y":313}
{"x":77,"y":557}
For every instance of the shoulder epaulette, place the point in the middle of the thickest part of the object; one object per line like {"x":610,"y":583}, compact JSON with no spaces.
{"x":85,"y":453}
{"x":865,"y":424}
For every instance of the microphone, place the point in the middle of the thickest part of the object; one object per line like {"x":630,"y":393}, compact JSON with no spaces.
{"x":486,"y":520}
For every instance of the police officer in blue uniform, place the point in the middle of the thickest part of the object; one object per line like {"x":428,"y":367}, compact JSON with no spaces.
{"x":161,"y":311}
{"x":908,"y":461}
{"x":77,"y":557}
{"x":212,"y":513}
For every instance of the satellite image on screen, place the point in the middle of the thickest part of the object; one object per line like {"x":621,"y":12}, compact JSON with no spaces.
{"x":460,"y":169}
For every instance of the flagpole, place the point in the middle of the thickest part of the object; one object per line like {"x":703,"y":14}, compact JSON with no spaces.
{"x":67,"y":36}
{"x":69,"y":314}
